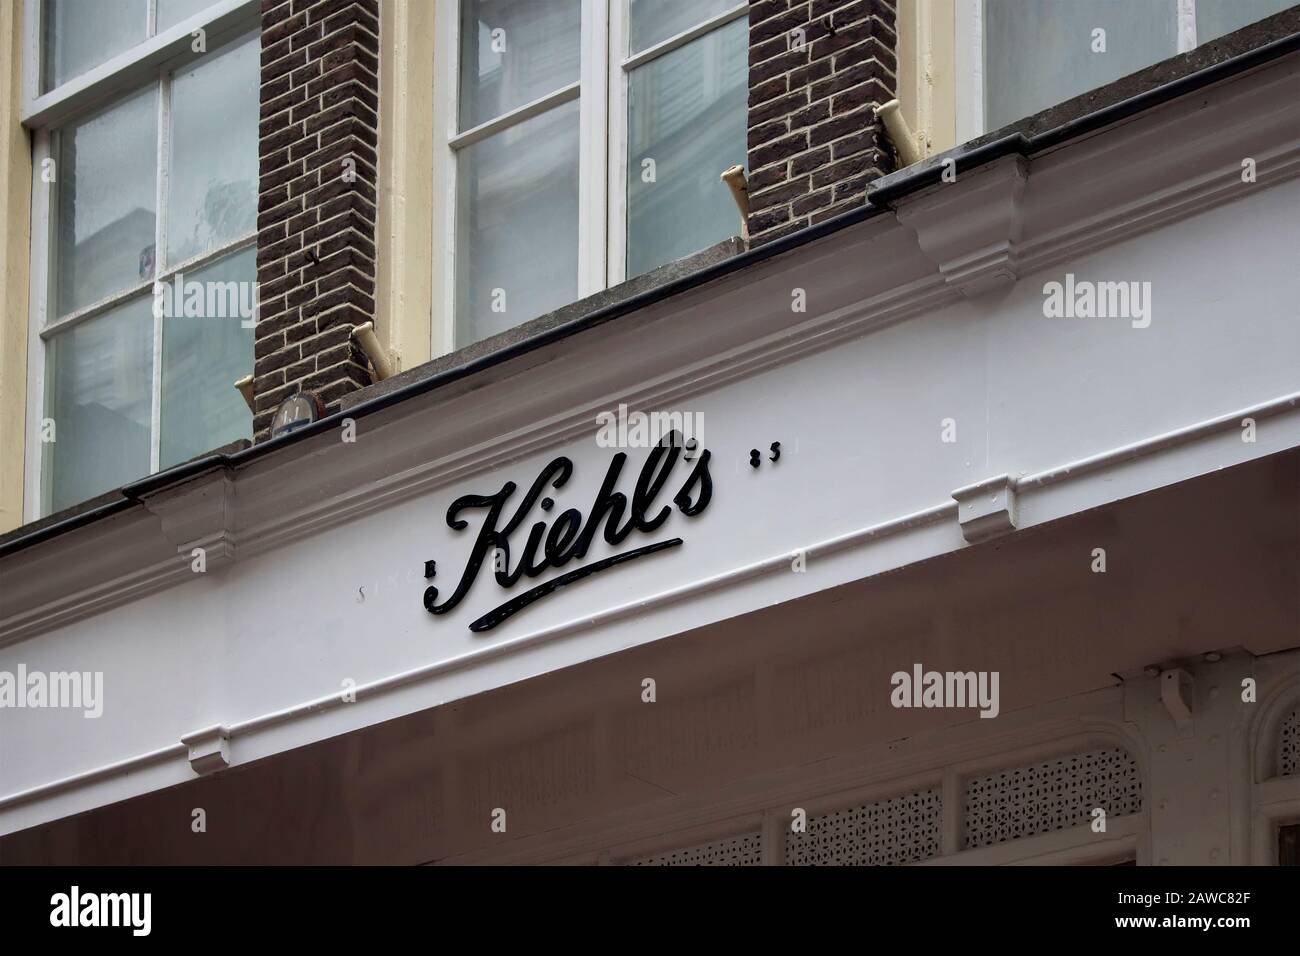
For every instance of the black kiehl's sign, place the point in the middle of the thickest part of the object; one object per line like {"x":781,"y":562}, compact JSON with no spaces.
{"x":553,"y":544}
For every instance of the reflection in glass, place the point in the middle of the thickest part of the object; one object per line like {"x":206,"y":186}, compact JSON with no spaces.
{"x":82,"y":34}
{"x":1038,"y":55}
{"x":212,"y":189}
{"x":98,"y":392}
{"x":517,"y":224}
{"x":1214,"y":18}
{"x":172,"y":12}
{"x":686,"y":124}
{"x":107,"y":182}
{"x":205,"y":349}
{"x":511,"y":53}
{"x":653,"y":21}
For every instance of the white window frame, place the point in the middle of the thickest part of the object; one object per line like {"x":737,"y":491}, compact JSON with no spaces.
{"x":969,"y":57}
{"x":147,"y":65}
{"x":601,"y":91}
{"x":621,"y":66}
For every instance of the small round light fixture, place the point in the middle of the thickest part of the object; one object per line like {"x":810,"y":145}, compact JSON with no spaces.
{"x":296,"y":411}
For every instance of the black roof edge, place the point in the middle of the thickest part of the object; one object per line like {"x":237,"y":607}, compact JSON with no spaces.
{"x":909,"y":181}
{"x":67,"y":524}
{"x":137,"y":490}
{"x":929,"y":173}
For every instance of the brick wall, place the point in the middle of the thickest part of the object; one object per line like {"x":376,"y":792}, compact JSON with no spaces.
{"x":316,"y":199}
{"x":813,"y":142}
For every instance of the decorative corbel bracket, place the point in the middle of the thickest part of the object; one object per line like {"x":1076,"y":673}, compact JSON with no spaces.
{"x":970,"y":228}
{"x":209,"y":749}
{"x":987,"y":508}
{"x":198,"y":513}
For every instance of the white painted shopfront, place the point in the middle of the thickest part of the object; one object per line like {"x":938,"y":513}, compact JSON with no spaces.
{"x":871,"y":543}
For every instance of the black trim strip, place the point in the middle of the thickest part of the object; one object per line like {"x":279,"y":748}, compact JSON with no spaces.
{"x":517,"y":603}
{"x":71,"y":523}
{"x":909,"y":182}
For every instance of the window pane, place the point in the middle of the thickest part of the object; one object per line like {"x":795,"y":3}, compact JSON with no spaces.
{"x":511,"y":53}
{"x":653,"y":21}
{"x":81,"y":34}
{"x":1039,"y":54}
{"x":517,"y":224}
{"x":205,"y":348}
{"x":686,"y":116}
{"x":1214,"y":18}
{"x":212,"y":188}
{"x":98,"y":391}
{"x":172,"y":12}
{"x":107,"y":196}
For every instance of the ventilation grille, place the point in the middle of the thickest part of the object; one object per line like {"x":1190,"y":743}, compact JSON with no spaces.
{"x":888,"y":833}
{"x":743,"y":850}
{"x":1288,"y":745}
{"x":1053,"y":795}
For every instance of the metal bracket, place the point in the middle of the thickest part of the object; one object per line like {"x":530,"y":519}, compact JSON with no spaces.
{"x":1172,"y":683}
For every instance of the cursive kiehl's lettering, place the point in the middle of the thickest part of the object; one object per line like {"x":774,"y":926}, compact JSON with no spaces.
{"x":553,"y":544}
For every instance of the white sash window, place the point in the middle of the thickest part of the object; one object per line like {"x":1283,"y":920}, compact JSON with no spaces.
{"x":581,"y":144}
{"x":144,"y":118}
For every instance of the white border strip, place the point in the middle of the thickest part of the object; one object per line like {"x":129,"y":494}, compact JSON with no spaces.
{"x":1148,"y":446}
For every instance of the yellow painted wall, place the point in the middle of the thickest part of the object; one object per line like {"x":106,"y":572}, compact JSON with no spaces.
{"x":404,"y":267}
{"x":15,"y":245}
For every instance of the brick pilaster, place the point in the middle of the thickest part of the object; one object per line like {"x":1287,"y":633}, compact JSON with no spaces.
{"x":817,"y":69}
{"x":316,"y":198}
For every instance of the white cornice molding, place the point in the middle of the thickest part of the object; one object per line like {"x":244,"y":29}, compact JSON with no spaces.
{"x":198,"y":514}
{"x":970,"y":228}
{"x":1178,"y":160}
